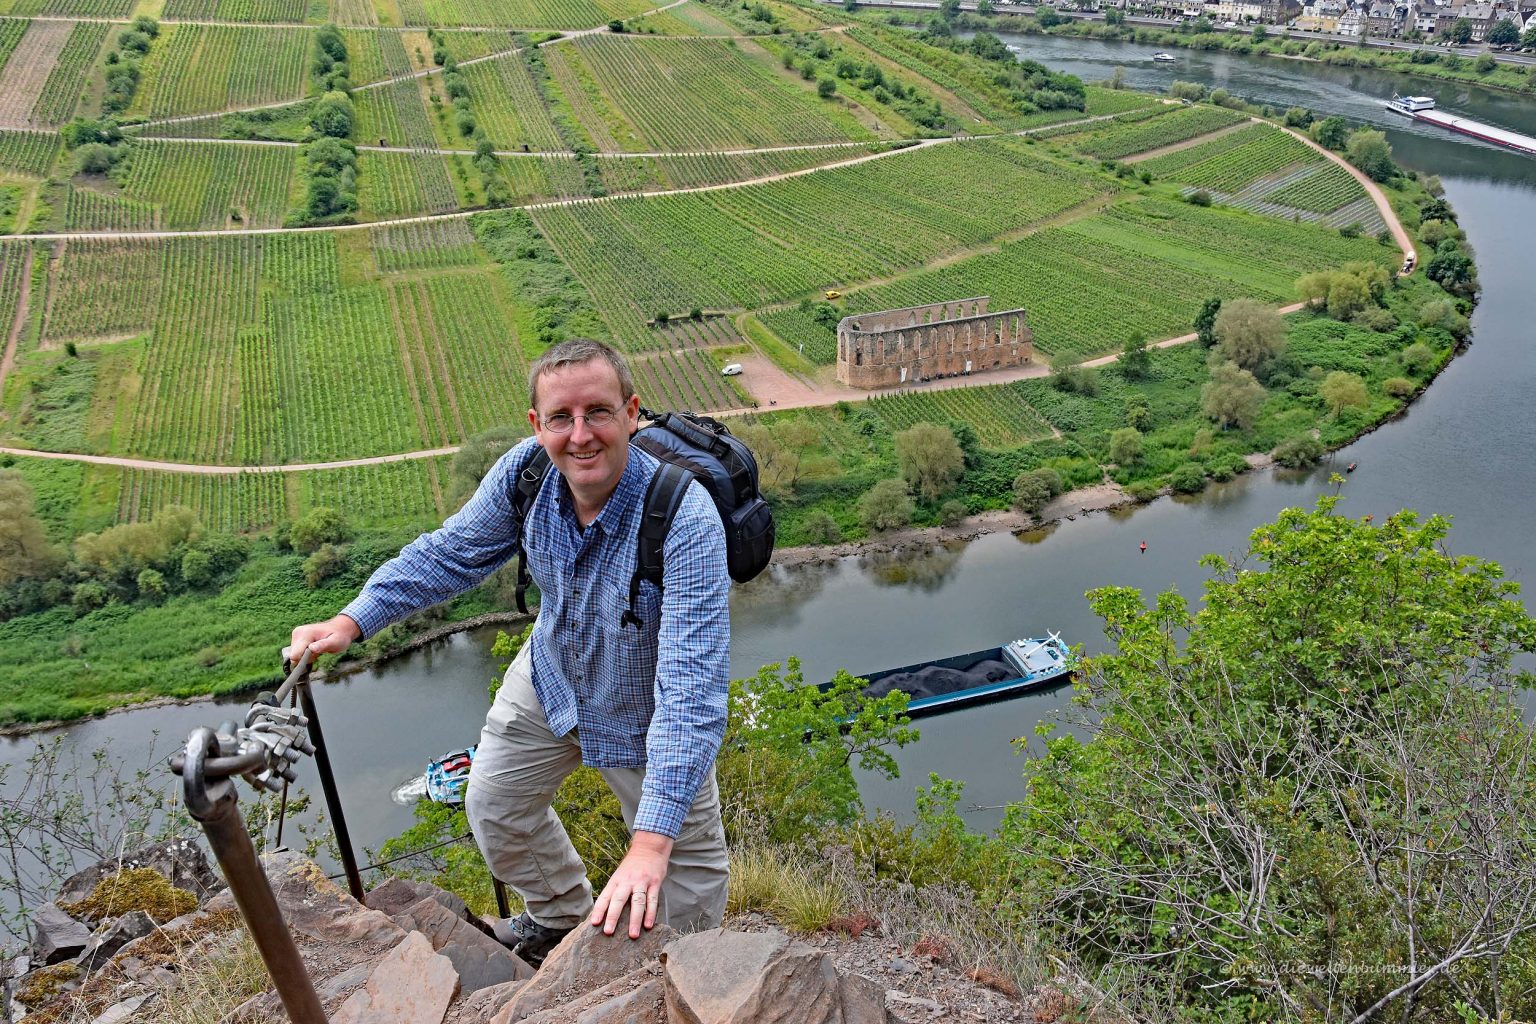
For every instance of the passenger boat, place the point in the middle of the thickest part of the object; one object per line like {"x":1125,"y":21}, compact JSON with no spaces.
{"x":1164,"y":58}
{"x":980,"y":677}
{"x":448,"y":775}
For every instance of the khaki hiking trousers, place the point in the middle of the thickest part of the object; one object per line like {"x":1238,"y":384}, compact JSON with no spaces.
{"x":517,"y":769}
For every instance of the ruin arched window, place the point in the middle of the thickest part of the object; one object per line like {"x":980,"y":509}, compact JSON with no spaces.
{"x":858,"y":357}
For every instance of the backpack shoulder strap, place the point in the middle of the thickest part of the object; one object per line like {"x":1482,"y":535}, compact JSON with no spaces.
{"x":662,"y":500}
{"x":529,"y":480}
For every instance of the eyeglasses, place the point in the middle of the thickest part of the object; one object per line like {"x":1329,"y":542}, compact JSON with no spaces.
{"x":562,"y":422}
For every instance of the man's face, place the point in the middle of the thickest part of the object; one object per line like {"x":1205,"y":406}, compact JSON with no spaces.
{"x":591,"y":458}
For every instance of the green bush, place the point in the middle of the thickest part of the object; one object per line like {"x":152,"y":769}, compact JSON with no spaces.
{"x":1188,"y":478}
{"x":1296,"y":452}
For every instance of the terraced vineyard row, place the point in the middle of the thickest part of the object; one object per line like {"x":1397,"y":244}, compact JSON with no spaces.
{"x":432,"y":245}
{"x":762,"y":243}
{"x":72,"y":8}
{"x":1124,"y":139}
{"x":227,"y":504}
{"x":508,"y":106}
{"x":195,"y":398}
{"x":13,"y":260}
{"x":1169,"y":165}
{"x":28,"y":152}
{"x":56,"y":103}
{"x":395,"y":492}
{"x":685,"y":94}
{"x":804,"y":333}
{"x":403,"y":184}
{"x":1320,"y":190}
{"x":102,"y":287}
{"x":947,"y":70}
{"x":11,"y":31}
{"x":1000,"y":414}
{"x":206,"y":185}
{"x":1230,"y":168}
{"x":552,"y":177}
{"x":195,"y":69}
{"x":683,"y":380}
{"x":634,"y":174}
{"x":245,"y":10}
{"x":86,"y":209}
{"x":709,"y":332}
{"x":556,"y":14}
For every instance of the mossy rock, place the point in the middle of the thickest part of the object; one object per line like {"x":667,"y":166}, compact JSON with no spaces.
{"x":45,"y":985}
{"x":135,"y":889}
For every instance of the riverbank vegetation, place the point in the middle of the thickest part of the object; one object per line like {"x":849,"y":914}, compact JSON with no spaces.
{"x":1308,"y":800}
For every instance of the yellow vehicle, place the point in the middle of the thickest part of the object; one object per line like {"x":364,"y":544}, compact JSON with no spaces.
{"x":833,"y":293}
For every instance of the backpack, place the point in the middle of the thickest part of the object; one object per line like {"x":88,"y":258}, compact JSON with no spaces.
{"x":689,"y":447}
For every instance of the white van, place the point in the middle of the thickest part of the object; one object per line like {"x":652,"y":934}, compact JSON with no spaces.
{"x":730,"y":370}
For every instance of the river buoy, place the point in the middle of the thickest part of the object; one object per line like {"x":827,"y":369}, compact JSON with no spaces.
{"x":1351,"y":467}
{"x":1143,"y":547}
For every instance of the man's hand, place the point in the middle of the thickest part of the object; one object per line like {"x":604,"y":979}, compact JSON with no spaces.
{"x":329,"y":637}
{"x":636,"y":883}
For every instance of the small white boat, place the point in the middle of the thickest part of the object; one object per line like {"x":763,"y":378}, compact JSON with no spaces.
{"x":1164,"y":58}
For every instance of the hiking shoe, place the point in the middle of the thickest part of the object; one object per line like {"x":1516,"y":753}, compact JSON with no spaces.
{"x":528,"y":939}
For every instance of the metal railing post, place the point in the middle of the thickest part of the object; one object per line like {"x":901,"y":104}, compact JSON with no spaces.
{"x":332,"y":796}
{"x":207,"y":769}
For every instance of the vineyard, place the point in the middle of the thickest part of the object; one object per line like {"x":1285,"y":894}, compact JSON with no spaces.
{"x":13,"y":262}
{"x":409,"y":492}
{"x":86,"y":209}
{"x":508,"y":106}
{"x":28,"y":152}
{"x":763,"y":243}
{"x":432,"y":245}
{"x":234,"y":503}
{"x":403,"y":184}
{"x":195,"y":69}
{"x":100,"y":288}
{"x":969,"y":80}
{"x":707,"y":332}
{"x":71,"y":8}
{"x":56,"y":102}
{"x":1322,"y":189}
{"x":209,"y":185}
{"x":683,"y":379}
{"x":693,"y":94}
{"x":641,"y":173}
{"x":553,"y":14}
{"x":245,"y":10}
{"x":1239,"y":158}
{"x":1000,"y":415}
{"x":1122,"y":139}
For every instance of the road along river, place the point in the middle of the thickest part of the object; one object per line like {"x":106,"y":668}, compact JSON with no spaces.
{"x":1465,"y":449}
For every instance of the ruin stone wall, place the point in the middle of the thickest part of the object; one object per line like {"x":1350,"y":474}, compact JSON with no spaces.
{"x":905,"y":346}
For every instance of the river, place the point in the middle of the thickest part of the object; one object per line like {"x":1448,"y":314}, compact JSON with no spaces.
{"x":1464,"y":450}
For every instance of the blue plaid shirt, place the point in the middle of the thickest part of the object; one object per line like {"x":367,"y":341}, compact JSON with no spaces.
{"x":652,"y":696}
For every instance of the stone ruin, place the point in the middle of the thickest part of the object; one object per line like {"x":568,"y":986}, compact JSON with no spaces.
{"x":942,"y":339}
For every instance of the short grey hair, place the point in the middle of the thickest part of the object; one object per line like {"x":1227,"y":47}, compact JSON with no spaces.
{"x":579,"y":352}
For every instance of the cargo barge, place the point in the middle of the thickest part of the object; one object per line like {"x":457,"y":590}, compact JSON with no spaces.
{"x":980,"y":677}
{"x":1422,"y":108}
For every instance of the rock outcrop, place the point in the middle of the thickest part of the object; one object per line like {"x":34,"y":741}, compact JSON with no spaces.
{"x":413,"y":954}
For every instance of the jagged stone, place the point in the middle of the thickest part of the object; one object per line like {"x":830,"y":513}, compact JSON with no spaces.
{"x":344,"y":983}
{"x":56,"y":936}
{"x":119,"y":1012}
{"x":586,"y":959}
{"x":637,"y":998}
{"x":412,"y":985}
{"x":721,"y":977}
{"x":180,"y":860}
{"x":314,"y":905}
{"x":479,"y":1007}
{"x":398,"y":894}
{"x":112,"y":936}
{"x":863,"y":999}
{"x":480,"y":960}
{"x":901,"y":1008}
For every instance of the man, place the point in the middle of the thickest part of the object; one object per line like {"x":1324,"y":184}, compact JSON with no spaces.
{"x":643,"y":703}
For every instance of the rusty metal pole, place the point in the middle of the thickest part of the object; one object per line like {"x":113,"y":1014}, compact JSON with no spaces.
{"x":207,"y":781}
